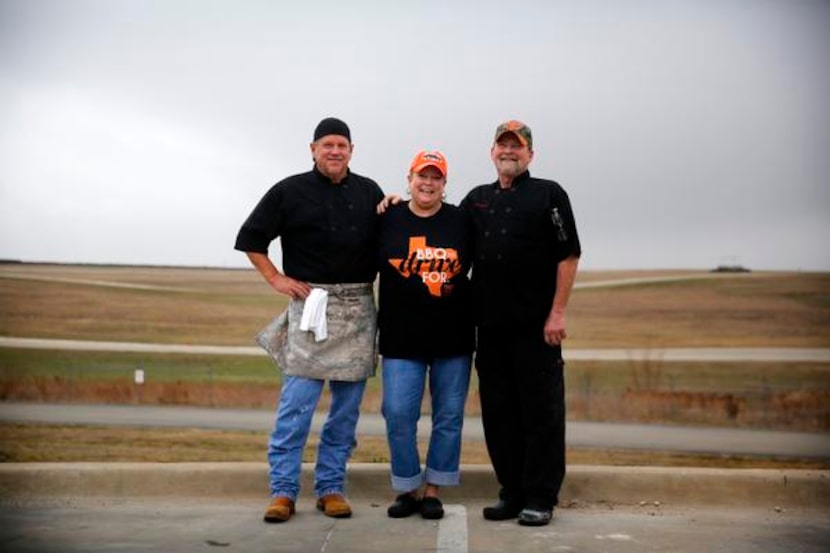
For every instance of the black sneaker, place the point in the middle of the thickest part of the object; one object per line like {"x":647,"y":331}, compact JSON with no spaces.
{"x":503,"y":510}
{"x":432,"y":508}
{"x":534,"y":516}
{"x":404,"y":505}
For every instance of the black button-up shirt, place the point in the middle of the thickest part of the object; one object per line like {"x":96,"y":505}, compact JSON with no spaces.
{"x":327,"y":231}
{"x":521,"y":234}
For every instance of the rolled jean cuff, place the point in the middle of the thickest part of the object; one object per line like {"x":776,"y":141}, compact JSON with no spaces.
{"x":290,"y":495}
{"x":331,"y":491}
{"x":407,"y":484}
{"x":441,"y":478}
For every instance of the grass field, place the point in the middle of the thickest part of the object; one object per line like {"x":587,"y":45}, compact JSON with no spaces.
{"x":227,"y":307}
{"x":35,"y":443}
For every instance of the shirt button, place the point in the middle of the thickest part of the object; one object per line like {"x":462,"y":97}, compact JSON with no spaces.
{"x":503,"y":231}
{"x":486,"y":233}
{"x":508,"y":209}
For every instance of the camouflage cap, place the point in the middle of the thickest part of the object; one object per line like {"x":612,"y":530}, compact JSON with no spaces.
{"x":518,"y":128}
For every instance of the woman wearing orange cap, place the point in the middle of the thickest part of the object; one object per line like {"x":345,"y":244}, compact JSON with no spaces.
{"x":426,"y":331}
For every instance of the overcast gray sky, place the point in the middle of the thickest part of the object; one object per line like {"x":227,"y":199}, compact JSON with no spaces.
{"x":688,"y":133}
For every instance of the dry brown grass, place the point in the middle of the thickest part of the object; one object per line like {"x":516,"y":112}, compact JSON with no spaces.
{"x":767,"y":310}
{"x":221,"y":307}
{"x":56,"y":443}
{"x":227,"y":307}
{"x":800,"y":408}
{"x":128,"y":315}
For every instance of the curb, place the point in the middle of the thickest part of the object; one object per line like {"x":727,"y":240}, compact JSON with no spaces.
{"x":583,"y":484}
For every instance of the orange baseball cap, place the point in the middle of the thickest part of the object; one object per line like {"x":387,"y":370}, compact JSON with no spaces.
{"x":425,"y":158}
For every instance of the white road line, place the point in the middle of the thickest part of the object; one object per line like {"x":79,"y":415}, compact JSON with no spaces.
{"x":103,"y":283}
{"x":633,"y":354}
{"x":452,"y":530}
{"x":134,"y":347}
{"x":637,"y":281}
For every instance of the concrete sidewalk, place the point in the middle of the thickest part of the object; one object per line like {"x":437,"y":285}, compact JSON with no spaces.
{"x":130,"y":507}
{"x":588,"y":484}
{"x":235,"y":525}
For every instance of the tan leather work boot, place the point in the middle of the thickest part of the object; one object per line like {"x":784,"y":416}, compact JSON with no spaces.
{"x":334,"y":505}
{"x":279,"y":510}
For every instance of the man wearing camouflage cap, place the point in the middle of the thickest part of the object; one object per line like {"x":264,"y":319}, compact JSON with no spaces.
{"x":526,"y":255}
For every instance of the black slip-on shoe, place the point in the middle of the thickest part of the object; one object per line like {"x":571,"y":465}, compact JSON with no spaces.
{"x":432,"y":508}
{"x":404,"y":505}
{"x":532,"y":516}
{"x":503,"y":510}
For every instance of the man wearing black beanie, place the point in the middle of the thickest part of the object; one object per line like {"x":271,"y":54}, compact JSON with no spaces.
{"x":332,"y":125}
{"x":326,"y":221}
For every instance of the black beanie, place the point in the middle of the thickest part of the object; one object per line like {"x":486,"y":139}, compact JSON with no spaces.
{"x":331,"y":125}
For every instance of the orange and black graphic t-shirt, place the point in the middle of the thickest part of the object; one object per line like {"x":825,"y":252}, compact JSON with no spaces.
{"x":434,"y":265}
{"x":425,"y":295}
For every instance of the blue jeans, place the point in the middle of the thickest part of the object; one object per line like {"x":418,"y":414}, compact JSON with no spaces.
{"x":403,"y":390}
{"x":298,"y":400}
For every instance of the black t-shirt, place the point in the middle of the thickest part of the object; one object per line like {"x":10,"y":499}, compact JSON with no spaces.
{"x":520,"y":235}
{"x":425,"y":295}
{"x":328,"y":231}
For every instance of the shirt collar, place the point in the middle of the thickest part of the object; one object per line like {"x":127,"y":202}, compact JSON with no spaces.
{"x":517,"y":181}
{"x":327,"y":180}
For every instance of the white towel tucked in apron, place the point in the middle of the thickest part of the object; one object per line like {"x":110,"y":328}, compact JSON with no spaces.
{"x":314,"y":314}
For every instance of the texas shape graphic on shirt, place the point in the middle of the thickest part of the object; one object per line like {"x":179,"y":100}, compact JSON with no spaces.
{"x":435,"y":265}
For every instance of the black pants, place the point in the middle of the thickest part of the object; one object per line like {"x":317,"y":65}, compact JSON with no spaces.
{"x":523,"y":412}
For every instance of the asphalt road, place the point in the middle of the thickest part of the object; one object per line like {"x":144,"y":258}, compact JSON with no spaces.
{"x":710,"y":440}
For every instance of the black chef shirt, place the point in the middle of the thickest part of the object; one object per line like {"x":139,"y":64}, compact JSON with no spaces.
{"x":327,"y":230}
{"x":520,"y":235}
